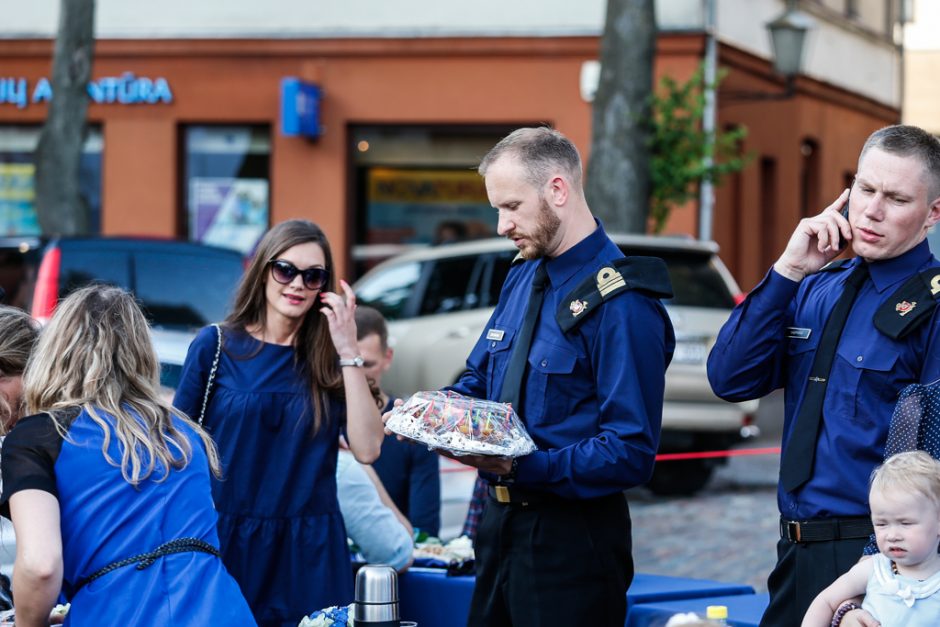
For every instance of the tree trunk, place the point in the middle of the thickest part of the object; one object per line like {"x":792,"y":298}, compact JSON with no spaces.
{"x":59,"y":205}
{"x":618,"y":174}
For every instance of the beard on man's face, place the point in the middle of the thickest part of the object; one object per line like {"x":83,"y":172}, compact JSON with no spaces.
{"x":543,"y":234}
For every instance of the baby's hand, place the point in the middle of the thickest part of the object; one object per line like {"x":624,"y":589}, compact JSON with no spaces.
{"x":859,"y":618}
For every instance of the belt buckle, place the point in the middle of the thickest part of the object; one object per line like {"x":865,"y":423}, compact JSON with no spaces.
{"x":793,"y":531}
{"x":502,"y":494}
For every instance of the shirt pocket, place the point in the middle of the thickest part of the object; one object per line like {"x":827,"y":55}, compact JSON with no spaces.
{"x":550,"y":384}
{"x":871,"y":377}
{"x":499,"y":352}
{"x":800,"y":354}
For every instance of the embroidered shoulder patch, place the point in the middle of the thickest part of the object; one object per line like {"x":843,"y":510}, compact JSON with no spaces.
{"x":647,"y":274}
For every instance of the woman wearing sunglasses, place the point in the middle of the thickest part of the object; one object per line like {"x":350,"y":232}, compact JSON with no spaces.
{"x":283,"y":384}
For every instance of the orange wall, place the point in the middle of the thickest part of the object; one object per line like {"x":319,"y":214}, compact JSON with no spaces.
{"x":750,"y":236}
{"x":425,"y":81}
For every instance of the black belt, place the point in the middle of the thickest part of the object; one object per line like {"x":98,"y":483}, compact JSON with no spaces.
{"x":510,"y":494}
{"x":143,"y":560}
{"x":825,"y":529}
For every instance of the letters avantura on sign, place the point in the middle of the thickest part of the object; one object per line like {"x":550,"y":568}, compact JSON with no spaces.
{"x":126,"y":89}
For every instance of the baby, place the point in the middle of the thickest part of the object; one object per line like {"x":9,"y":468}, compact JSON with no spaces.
{"x":900,"y":583}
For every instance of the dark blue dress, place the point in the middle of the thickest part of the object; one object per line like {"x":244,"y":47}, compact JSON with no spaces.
{"x":105,"y":519}
{"x":280,"y":527}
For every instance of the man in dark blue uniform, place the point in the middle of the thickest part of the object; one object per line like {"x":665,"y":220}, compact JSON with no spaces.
{"x":579,"y":344}
{"x":843,"y":339}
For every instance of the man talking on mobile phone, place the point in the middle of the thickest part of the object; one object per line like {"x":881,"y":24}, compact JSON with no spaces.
{"x":842,"y":338}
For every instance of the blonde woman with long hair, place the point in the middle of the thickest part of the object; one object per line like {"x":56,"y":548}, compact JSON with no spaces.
{"x":107,"y":485}
{"x":283,"y":386}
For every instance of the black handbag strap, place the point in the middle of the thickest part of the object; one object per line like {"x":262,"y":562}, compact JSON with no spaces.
{"x":212,"y":371}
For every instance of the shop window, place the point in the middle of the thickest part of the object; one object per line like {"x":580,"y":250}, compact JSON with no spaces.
{"x":418,"y":185}
{"x":226,"y":187}
{"x":18,"y":180}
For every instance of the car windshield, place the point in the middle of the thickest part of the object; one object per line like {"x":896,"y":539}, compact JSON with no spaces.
{"x":695,"y":280}
{"x":389,"y":291}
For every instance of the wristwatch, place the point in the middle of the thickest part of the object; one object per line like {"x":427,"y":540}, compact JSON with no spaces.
{"x":356,"y":362}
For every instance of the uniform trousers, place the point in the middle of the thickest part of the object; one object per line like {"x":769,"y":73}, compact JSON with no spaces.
{"x":553,"y":562}
{"x":803,"y":570}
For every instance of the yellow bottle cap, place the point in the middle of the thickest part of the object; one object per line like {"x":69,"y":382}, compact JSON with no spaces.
{"x":716,"y":612}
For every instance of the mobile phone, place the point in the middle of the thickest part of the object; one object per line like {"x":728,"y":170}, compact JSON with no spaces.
{"x":845,"y":214}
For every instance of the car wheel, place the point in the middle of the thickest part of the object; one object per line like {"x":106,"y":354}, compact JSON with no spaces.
{"x":680,"y":478}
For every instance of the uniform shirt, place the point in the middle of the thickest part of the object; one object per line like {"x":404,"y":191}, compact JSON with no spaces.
{"x":753,"y":356}
{"x":412,"y":479}
{"x":593,"y":397}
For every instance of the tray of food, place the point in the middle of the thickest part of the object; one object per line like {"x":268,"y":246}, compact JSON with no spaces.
{"x":461,"y":425}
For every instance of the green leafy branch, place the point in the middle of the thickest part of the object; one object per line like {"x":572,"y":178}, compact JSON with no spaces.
{"x":678,"y":146}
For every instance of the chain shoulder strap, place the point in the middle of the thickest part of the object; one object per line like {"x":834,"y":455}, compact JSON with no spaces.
{"x":215,"y":367}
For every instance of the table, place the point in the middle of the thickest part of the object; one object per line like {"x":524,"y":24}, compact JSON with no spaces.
{"x":432,"y":599}
{"x":657,"y":588}
{"x":744,"y":610}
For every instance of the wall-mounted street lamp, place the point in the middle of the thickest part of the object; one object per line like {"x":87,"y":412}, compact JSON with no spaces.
{"x":787,"y":35}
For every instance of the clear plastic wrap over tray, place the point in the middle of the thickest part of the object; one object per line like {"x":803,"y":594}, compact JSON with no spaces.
{"x":461,"y":425}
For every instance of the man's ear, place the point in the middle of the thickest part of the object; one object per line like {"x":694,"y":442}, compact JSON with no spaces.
{"x":933,"y":212}
{"x":559,"y":188}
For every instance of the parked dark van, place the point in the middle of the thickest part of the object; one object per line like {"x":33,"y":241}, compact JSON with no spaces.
{"x":181,"y":285}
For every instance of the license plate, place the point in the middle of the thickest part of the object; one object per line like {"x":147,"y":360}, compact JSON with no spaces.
{"x":692,"y":353}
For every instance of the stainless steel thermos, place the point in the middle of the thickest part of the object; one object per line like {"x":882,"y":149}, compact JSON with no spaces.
{"x":376,"y":597}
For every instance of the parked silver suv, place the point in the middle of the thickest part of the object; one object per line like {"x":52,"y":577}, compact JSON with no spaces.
{"x":437,"y":301}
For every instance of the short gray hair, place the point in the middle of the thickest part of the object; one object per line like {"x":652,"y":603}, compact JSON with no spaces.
{"x":540,"y":150}
{"x":904,"y":140}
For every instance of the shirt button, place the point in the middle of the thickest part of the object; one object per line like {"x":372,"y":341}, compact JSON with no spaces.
{"x":859,"y":358}
{"x":544,"y":362}
{"x":492,"y":344}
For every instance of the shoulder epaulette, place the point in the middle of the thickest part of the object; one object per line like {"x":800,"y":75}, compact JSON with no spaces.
{"x":835,"y":265}
{"x":647,"y":274}
{"x":910,"y":305}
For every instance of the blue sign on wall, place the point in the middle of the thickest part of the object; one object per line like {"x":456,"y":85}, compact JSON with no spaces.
{"x":300,"y":108}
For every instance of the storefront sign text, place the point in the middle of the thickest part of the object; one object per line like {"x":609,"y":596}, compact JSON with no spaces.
{"x":126,"y":89}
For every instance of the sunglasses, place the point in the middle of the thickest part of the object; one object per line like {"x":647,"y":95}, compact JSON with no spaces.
{"x":284,"y":273}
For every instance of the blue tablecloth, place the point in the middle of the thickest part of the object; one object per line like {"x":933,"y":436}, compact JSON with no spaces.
{"x":432,"y":599}
{"x":744,"y":610}
{"x":656,"y":588}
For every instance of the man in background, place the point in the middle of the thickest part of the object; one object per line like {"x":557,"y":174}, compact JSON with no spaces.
{"x":409,"y":473}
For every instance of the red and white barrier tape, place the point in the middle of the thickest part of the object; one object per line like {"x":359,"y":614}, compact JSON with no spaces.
{"x":666,"y":457}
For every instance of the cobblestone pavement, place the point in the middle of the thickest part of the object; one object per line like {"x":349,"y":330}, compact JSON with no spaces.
{"x":726,"y":532}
